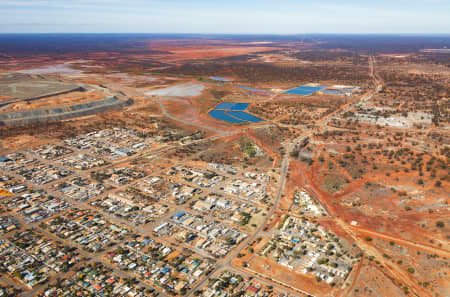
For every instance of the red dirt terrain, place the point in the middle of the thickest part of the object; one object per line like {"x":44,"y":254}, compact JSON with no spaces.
{"x":376,"y":160}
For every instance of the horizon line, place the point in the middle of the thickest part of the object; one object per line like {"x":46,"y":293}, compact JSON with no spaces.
{"x":193,"y":33}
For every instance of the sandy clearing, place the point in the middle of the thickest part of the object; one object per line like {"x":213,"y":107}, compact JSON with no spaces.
{"x":53,"y":69}
{"x":184,"y":90}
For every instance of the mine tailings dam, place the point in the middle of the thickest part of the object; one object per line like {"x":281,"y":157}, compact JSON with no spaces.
{"x":63,"y":112}
{"x":74,"y":89}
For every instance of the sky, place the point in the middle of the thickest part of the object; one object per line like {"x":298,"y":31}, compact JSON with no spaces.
{"x":224,"y":16}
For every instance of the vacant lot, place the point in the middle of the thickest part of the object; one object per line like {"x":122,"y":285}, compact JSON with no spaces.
{"x":185,"y":90}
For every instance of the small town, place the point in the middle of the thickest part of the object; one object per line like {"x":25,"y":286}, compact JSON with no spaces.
{"x":128,"y":230}
{"x":224,"y":148}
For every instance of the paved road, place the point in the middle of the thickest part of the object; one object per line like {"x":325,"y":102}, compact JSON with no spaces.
{"x":215,"y":130}
{"x":226,"y":263}
{"x":170,"y":116}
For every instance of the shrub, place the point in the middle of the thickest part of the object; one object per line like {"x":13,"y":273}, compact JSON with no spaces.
{"x":440,"y":224}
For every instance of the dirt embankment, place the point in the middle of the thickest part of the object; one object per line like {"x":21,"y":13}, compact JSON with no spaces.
{"x":63,"y":113}
{"x":9,"y":101}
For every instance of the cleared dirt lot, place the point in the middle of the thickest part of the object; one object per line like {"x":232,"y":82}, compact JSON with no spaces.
{"x":184,"y":90}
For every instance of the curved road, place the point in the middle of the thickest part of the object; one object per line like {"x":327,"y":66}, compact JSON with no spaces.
{"x":285,"y":165}
{"x":187,"y":122}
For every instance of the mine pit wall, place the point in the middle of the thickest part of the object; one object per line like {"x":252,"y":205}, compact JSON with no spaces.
{"x":63,"y":112}
{"x":77,"y":89}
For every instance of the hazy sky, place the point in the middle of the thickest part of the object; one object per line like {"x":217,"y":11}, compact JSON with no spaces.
{"x":225,"y":16}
